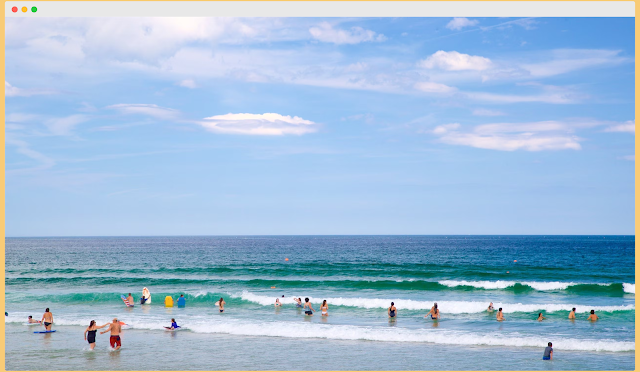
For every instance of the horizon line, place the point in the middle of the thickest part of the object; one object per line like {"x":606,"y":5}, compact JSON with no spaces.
{"x":300,"y":235}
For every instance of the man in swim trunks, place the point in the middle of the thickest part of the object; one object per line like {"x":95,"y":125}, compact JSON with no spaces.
{"x":572,"y":314}
{"x":593,"y":317}
{"x":115,"y":328}
{"x":130,"y":299}
{"x":548,"y":352}
{"x":500,"y":317}
{"x":47,"y":319}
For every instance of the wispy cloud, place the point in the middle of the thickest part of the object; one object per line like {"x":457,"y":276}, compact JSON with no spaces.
{"x":537,"y":136}
{"x":486,"y":112}
{"x":146,"y":109}
{"x":460,"y":23}
{"x":11,"y":91}
{"x":188,"y":83}
{"x":431,"y":87}
{"x":63,"y":126}
{"x":326,"y":33}
{"x":628,"y":127}
{"x":268,"y":124}
{"x":22,"y":147}
{"x":629,"y":157}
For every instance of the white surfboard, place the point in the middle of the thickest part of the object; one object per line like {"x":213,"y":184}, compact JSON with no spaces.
{"x":146,"y":294}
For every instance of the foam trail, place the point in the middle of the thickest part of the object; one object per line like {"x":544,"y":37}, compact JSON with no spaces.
{"x":349,"y":332}
{"x":451,"y":307}
{"x":629,"y":288}
{"x":503,"y":284}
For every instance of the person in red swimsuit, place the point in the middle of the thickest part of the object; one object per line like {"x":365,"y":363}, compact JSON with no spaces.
{"x":115,"y":328}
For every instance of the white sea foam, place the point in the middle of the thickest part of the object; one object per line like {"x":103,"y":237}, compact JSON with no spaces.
{"x":451,"y":307}
{"x":244,"y":327}
{"x":396,"y":334}
{"x":502,"y":284}
{"x":629,"y":288}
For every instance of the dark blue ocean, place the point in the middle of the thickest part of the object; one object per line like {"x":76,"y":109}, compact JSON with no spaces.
{"x":82,"y":279}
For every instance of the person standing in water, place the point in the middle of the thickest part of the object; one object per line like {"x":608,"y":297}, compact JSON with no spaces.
{"x":221,"y":304}
{"x":490,"y":308}
{"x":277,"y":304}
{"x":593,"y":317}
{"x":324,"y":308}
{"x":115,"y":328}
{"x":434,"y":313}
{"x":548,"y":352}
{"x":572,"y":314}
{"x":500,"y":317}
{"x":392,"y":311}
{"x":90,"y":333}
{"x":47,"y":319}
{"x":298,"y":302}
{"x":540,"y":317}
{"x":308,"y":309}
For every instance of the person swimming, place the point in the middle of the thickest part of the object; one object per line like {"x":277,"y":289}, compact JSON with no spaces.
{"x":277,"y":303}
{"x":308,"y":309}
{"x":500,"y":317}
{"x":31,"y":320}
{"x":392,"y":311}
{"x":572,"y":314}
{"x":490,"y":308}
{"x":593,"y":317}
{"x":298,"y":301}
{"x":174,"y":325}
{"x":324,"y":308}
{"x":540,"y":317}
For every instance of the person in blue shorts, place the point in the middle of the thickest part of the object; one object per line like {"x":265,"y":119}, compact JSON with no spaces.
{"x":548,"y":352}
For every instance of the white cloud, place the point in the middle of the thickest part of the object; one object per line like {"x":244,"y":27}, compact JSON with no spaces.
{"x":486,"y":112}
{"x":147,"y":109}
{"x":547,"y":97}
{"x":188,"y":83}
{"x":629,"y":157}
{"x":454,"y":61}
{"x":537,"y":136}
{"x":460,"y":23}
{"x":442,"y":129}
{"x":11,"y":91}
{"x":268,"y":124}
{"x":326,"y":33}
{"x":628,"y":127}
{"x":431,"y":87}
{"x":63,"y":126}
{"x":23,"y":148}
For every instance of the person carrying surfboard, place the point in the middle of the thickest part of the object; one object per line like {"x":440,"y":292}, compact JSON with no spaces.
{"x":115,"y":328}
{"x":47,"y":319}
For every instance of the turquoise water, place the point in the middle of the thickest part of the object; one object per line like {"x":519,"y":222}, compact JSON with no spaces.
{"x":82,"y":279}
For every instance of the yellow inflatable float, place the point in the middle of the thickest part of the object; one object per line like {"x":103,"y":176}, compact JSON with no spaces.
{"x":168,"y":301}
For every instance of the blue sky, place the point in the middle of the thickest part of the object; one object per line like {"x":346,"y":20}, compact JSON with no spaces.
{"x":225,"y":126}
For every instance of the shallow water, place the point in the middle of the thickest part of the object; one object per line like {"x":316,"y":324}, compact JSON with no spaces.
{"x":82,"y":278}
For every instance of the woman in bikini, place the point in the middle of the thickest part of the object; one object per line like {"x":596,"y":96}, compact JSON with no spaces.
{"x":324,"y":308}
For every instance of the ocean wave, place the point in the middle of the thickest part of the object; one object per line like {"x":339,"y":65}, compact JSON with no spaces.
{"x":365,"y":333}
{"x":539,"y":286}
{"x":451,"y":307}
